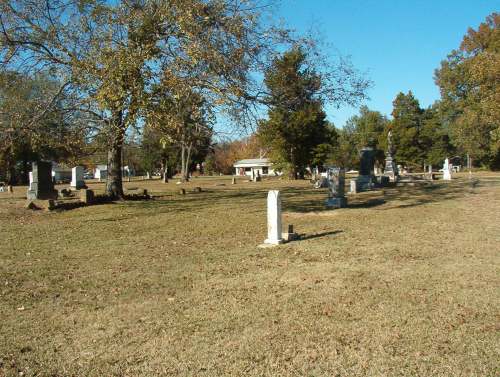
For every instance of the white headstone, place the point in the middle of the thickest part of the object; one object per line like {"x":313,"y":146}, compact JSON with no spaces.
{"x":30,"y":179}
{"x":353,"y":187}
{"x":274,"y":236}
{"x":77,"y":177}
{"x":446,"y":170}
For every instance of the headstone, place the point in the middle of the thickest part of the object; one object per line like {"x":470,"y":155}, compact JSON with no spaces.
{"x":148,"y":176}
{"x":383,"y":180}
{"x":353,"y":187}
{"x":365,"y":180}
{"x":30,"y":179}
{"x":182,"y":191}
{"x":322,"y":182}
{"x":273,"y":218}
{"x":10,"y":189}
{"x":336,"y":188}
{"x":42,"y":186}
{"x":77,"y":177}
{"x":446,"y":170}
{"x":165,"y":176}
{"x":233,"y":181}
{"x":87,"y":196}
{"x":51,"y":205}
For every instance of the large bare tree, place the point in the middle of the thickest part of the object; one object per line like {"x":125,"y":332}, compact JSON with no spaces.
{"x":113,"y":52}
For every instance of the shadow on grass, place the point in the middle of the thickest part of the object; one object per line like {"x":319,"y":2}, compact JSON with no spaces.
{"x":368,"y":204}
{"x":318,"y":235}
{"x":303,"y":199}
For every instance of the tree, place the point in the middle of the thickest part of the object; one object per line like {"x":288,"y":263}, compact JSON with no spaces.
{"x":406,"y":126}
{"x":434,"y":136}
{"x":296,"y":124}
{"x":468,"y":80}
{"x":346,"y":154}
{"x":34,"y":123}
{"x":112,"y":53}
{"x":226,"y":153}
{"x":369,"y":129}
{"x":183,"y":119}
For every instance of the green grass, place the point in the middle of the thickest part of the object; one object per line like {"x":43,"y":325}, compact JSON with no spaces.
{"x":405,"y":282}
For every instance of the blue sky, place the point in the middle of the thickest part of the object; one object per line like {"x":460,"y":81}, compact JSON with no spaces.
{"x":398,"y":44}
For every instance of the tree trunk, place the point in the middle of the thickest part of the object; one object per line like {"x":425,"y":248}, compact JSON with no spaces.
{"x":114,"y":184}
{"x":185,"y":158}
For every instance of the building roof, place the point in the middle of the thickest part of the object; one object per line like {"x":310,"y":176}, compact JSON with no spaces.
{"x":253,"y":162}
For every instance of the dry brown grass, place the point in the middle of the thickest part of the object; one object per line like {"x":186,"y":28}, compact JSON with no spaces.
{"x":403,"y":283}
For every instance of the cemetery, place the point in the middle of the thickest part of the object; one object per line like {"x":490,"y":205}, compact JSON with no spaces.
{"x":218,"y":188}
{"x":130,"y":288}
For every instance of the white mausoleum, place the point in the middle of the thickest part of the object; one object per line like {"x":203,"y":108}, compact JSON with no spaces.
{"x":253,"y":167}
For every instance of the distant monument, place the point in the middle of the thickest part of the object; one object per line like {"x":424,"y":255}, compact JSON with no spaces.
{"x":42,"y":186}
{"x":446,"y":170}
{"x":390,"y":169}
{"x":366,"y":178}
{"x":336,"y":188}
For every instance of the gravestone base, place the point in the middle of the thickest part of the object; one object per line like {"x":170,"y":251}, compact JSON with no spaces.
{"x":78,"y":185}
{"x":383,"y":180}
{"x":87,"y":196}
{"x":33,"y":195}
{"x":287,"y":237}
{"x":365,"y":183}
{"x":391,"y":169}
{"x":274,"y":242}
{"x":339,"y":202}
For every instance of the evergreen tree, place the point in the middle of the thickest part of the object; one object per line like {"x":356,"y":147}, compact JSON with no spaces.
{"x":434,"y":136}
{"x":406,"y":127}
{"x":296,"y":124}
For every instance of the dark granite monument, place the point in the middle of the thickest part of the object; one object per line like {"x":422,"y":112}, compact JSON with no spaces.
{"x":42,"y":186}
{"x":366,"y":178}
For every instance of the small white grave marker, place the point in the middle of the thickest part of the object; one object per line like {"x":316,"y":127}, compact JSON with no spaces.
{"x":274,"y":236}
{"x":446,"y":170}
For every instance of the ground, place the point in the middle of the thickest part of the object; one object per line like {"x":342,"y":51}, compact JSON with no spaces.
{"x":404,"y":282}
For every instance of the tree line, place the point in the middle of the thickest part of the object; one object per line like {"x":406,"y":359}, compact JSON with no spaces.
{"x":161,"y":67}
{"x":78,"y":78}
{"x":464,"y":122}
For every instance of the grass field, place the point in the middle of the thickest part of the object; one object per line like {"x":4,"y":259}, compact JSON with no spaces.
{"x":404,"y":282}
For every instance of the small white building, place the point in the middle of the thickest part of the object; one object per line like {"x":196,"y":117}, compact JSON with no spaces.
{"x":101,"y":172}
{"x":253,"y":167}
